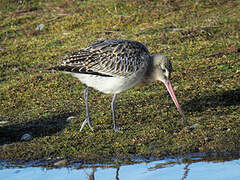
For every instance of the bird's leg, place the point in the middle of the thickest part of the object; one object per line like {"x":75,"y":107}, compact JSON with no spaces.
{"x":113,"y":104}
{"x":87,"y":120}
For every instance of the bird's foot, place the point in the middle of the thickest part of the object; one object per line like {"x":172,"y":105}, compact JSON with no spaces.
{"x":87,"y":120}
{"x":116,"y":129}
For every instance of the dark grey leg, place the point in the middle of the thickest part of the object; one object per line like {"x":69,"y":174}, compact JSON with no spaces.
{"x":113,"y":104}
{"x":87,"y":120}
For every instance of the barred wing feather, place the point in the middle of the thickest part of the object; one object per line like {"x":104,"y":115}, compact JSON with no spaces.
{"x":108,"y":58}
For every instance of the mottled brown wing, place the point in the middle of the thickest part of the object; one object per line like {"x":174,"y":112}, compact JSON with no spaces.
{"x":108,"y":58}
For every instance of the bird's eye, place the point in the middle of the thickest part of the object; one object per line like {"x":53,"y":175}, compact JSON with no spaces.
{"x":164,"y":70}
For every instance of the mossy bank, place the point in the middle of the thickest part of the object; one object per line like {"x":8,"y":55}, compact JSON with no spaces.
{"x":200,"y":37}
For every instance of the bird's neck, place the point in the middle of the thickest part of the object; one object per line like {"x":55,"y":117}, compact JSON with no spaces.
{"x":148,"y":76}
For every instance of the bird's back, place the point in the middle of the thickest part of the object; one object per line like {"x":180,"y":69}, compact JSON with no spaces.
{"x":110,"y":57}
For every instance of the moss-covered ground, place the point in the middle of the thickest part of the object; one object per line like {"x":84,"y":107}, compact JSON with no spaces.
{"x":202,"y":38}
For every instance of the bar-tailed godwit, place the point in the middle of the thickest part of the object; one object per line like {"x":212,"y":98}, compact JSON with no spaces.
{"x":112,"y":66}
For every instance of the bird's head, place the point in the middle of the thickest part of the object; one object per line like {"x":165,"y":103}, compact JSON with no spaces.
{"x":162,"y":69}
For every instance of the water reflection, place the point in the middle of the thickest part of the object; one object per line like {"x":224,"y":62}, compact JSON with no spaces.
{"x":94,"y":169}
{"x":91,"y":175}
{"x":167,"y":169}
{"x":186,"y":170}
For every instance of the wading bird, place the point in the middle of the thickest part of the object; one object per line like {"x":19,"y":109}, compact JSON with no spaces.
{"x":112,"y":66}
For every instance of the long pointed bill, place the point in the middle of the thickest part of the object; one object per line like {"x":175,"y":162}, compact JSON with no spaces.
{"x":171,"y":92}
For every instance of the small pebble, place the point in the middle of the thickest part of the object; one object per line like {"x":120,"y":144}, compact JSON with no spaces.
{"x":194,"y":126}
{"x":40,"y":27}
{"x":207,"y":139}
{"x":176,"y":29}
{"x":3,"y":122}
{"x":26,"y":137}
{"x":61,"y":163}
{"x":175,"y":88}
{"x":66,"y":33}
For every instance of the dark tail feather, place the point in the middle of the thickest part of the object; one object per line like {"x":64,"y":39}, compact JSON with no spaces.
{"x":80,"y":70}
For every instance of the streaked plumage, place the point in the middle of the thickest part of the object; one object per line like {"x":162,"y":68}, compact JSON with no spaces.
{"x":112,"y":66}
{"x":108,"y":57}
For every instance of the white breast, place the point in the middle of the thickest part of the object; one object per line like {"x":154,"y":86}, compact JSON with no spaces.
{"x":109,"y":85}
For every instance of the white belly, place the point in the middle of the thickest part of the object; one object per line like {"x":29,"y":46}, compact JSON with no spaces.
{"x":109,"y":85}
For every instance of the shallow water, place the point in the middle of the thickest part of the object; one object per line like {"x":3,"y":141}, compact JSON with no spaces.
{"x":167,"y":169}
